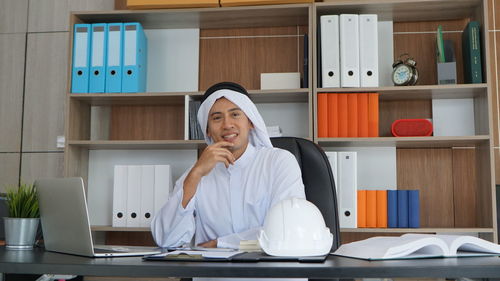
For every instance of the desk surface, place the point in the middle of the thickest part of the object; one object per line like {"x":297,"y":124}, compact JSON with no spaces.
{"x":38,"y":262}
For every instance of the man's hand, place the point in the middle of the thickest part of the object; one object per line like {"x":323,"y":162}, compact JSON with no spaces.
{"x":209,"y":244}
{"x":217,"y":152}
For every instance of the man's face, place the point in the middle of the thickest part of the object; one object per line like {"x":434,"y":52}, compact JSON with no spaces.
{"x":227,"y":122}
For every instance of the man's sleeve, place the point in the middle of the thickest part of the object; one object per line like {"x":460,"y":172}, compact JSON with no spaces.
{"x":287,"y":178}
{"x":174,"y":225}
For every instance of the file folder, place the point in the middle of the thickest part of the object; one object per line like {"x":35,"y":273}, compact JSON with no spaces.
{"x":392,"y":208}
{"x":134,"y":196}
{"x":120,"y":196}
{"x":332,"y":159}
{"x":134,"y":58}
{"x":349,"y":50}
{"x":163,"y":185}
{"x":147,"y":195}
{"x":414,"y":208}
{"x":114,"y":53}
{"x":403,"y":208}
{"x":97,"y":80}
{"x":81,"y":57}
{"x":347,"y":191}
{"x":330,"y":64}
{"x":362,"y":208}
{"x":368,"y":50}
{"x":371,"y":208}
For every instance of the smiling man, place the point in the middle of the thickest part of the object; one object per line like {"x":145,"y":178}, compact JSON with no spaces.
{"x":224,"y":197}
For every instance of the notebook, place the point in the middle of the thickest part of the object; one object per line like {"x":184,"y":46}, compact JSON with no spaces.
{"x":236,"y":256}
{"x":65,"y":221}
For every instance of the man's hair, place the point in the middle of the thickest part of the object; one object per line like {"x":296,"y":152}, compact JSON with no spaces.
{"x":224,"y":85}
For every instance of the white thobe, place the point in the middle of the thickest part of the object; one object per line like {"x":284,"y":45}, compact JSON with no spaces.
{"x":230,"y":204}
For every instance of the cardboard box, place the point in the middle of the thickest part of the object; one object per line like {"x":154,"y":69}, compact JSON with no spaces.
{"x":226,"y":3}
{"x":167,"y":4}
{"x":277,"y":81}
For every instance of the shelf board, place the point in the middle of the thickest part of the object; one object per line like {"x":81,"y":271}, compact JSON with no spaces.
{"x":111,"y":228}
{"x":418,"y":230}
{"x":457,"y":91}
{"x":178,"y":98}
{"x":139,"y":144}
{"x":404,"y":10}
{"x":343,"y":230}
{"x":224,"y":17}
{"x":439,"y":141}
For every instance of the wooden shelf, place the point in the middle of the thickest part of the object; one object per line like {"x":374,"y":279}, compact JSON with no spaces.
{"x":466,"y":141}
{"x":404,"y":10}
{"x":178,"y":98}
{"x":225,"y":17}
{"x":127,"y":229}
{"x":458,"y":91}
{"x":137,"y":145}
{"x":417,"y":230}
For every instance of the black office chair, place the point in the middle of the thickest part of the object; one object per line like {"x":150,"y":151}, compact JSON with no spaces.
{"x":317,"y":177}
{"x":318,"y":181}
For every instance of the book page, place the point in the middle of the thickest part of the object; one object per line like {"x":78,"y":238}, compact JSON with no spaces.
{"x":458,"y":244}
{"x":393,"y":248}
{"x":473,"y":244}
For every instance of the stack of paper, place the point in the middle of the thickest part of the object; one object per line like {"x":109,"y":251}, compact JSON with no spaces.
{"x":250,"y":246}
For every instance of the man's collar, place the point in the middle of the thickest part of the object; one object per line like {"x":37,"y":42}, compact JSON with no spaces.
{"x":244,"y":159}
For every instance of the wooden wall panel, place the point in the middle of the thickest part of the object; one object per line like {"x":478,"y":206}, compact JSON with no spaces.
{"x":430,"y":171}
{"x":419,"y":40}
{"x":41,"y":165}
{"x":9,"y":169}
{"x":147,"y":122}
{"x":53,"y":15}
{"x":13,"y":16}
{"x":45,"y":90}
{"x":12,"y":51}
{"x":390,"y":111}
{"x":465,"y":188}
{"x":241,"y":55}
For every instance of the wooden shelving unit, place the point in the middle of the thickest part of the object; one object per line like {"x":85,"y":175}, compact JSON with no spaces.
{"x":467,"y":160}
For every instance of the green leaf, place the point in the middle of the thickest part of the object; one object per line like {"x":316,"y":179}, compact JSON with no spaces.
{"x":22,"y":201}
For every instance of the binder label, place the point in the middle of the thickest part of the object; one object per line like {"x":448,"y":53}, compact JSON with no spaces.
{"x":114,"y":46}
{"x":81,"y":47}
{"x":98,"y":48}
{"x":130,"y":51}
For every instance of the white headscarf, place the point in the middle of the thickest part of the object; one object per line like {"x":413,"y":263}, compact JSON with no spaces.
{"x":258,"y":136}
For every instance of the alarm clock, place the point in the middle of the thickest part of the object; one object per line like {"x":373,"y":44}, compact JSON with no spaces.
{"x":404,"y":71}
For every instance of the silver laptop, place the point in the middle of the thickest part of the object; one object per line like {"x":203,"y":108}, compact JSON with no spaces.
{"x":65,"y":221}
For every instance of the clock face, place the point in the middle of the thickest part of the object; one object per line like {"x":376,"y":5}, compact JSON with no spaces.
{"x":401,"y":74}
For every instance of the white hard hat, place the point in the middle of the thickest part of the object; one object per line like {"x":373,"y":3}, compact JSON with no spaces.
{"x":295,"y":227}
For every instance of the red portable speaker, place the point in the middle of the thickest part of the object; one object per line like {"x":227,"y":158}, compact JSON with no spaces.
{"x":411,"y":128}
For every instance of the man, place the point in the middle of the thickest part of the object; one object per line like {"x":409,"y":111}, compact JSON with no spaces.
{"x":224,"y":197}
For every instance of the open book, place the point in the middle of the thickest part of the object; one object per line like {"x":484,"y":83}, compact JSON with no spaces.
{"x":414,"y":246}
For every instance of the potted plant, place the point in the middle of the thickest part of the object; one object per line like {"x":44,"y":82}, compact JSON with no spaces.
{"x":22,"y":223}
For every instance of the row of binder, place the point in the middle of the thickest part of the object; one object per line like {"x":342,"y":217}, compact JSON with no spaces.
{"x":139,"y":191}
{"x":349,"y":50}
{"x":388,"y":208}
{"x":109,"y":58}
{"x":403,"y":208}
{"x":348,"y":115}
